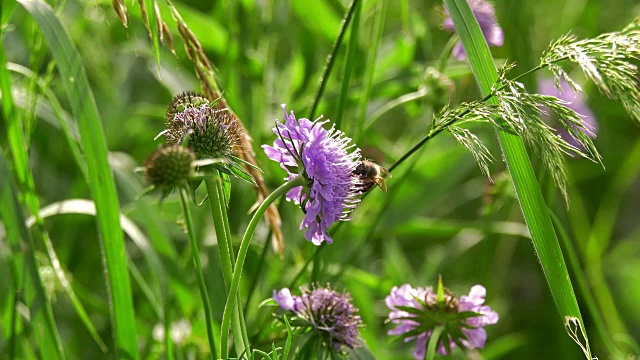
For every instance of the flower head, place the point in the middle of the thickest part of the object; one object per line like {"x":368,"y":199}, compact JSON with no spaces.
{"x":326,"y":159}
{"x":575,"y":101}
{"x":486,"y":16}
{"x":463,"y":319}
{"x":208,"y":132}
{"x":169,"y":167}
{"x":328,"y":313}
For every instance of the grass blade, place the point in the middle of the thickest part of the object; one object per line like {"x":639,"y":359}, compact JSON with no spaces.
{"x":352,"y":51}
{"x":100,"y":177}
{"x":532,"y":203}
{"x":20,"y":240}
{"x":331,"y":60}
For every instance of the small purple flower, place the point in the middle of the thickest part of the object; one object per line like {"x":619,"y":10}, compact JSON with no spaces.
{"x":467,"y":331}
{"x":575,"y":101}
{"x":328,"y":313}
{"x":486,"y":16}
{"x":326,"y":159}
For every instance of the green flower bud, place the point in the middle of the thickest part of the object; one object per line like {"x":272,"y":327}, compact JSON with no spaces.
{"x":169,"y":167}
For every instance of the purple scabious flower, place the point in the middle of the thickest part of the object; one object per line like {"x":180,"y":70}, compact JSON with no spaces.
{"x":328,"y":313}
{"x":327,"y":160}
{"x":576,"y":101}
{"x":416,"y":312}
{"x":486,"y":16}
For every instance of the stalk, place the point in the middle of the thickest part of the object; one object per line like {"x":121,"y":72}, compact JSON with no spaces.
{"x":195,"y":253}
{"x":242,"y":255}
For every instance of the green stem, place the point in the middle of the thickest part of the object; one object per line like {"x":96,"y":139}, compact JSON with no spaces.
{"x":331,"y":60}
{"x":446,"y":52}
{"x":432,"y":346}
{"x":218,"y":223}
{"x":352,"y":49}
{"x":195,"y":254}
{"x":261,"y":262}
{"x":221,"y":225}
{"x":242,"y":254}
{"x":240,"y":329}
{"x":306,"y":265}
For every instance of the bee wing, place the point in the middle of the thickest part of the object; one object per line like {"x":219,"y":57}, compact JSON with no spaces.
{"x":384,"y":173}
{"x":380,"y":182}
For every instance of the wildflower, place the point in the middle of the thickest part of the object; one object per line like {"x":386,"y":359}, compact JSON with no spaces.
{"x":327,"y":313}
{"x":323,"y":158}
{"x":169,"y":167}
{"x":417,"y":312}
{"x":208,"y":132}
{"x":575,"y":101}
{"x":486,"y":16}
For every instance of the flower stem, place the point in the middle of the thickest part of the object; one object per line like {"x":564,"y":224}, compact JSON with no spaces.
{"x":242,"y":254}
{"x":259,"y":268}
{"x":432,"y":346}
{"x":240,"y":329}
{"x":195,"y":253}
{"x":223,"y":234}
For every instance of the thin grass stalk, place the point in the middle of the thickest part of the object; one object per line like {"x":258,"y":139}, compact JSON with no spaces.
{"x":352,"y":51}
{"x":242,"y":255}
{"x":331,"y":59}
{"x":166,"y":323}
{"x":378,"y":28}
{"x":528,"y":192}
{"x":195,"y":255}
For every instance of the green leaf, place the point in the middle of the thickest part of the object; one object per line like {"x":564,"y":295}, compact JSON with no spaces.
{"x":527,"y":189}
{"x":226,"y":187}
{"x":100,"y":179}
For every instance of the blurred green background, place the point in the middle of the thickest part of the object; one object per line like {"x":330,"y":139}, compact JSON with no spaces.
{"x":440,"y":215}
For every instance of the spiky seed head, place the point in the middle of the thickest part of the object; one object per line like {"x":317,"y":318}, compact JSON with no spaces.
{"x":169,"y":167}
{"x":208,"y":132}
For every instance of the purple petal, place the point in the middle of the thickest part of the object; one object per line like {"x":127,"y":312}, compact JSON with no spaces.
{"x":284,"y":298}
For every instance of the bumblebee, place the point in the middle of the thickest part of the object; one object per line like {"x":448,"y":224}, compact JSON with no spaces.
{"x":371,"y":174}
